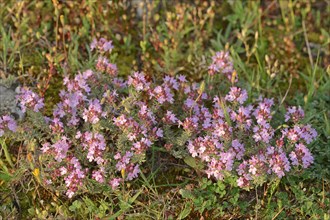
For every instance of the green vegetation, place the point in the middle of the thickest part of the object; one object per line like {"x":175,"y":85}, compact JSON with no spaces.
{"x":280,"y":48}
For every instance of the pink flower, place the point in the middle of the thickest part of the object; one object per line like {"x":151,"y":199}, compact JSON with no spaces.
{"x":301,"y":155}
{"x":56,"y":126}
{"x":123,"y":161}
{"x":221,"y":63}
{"x":133,"y":172}
{"x":79,"y":83}
{"x":98,"y":175}
{"x":94,"y":112}
{"x":138,"y":81}
{"x":95,"y":144}
{"x":278,"y":161}
{"x":29,"y":100}
{"x":215,"y":168}
{"x":46,"y":147}
{"x":114,"y":183}
{"x":63,"y":171}
{"x":102,"y":45}
{"x":237,"y":95}
{"x":61,"y":148}
{"x":294,"y":113}
{"x":120,"y":121}
{"x":170,"y":118}
{"x":103,"y":65}
{"x":74,"y":178}
{"x":159,"y":132}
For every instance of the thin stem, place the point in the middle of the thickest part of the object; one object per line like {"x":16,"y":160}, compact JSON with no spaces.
{"x":257,"y":202}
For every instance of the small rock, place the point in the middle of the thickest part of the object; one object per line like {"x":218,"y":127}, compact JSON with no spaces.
{"x":8,"y":103}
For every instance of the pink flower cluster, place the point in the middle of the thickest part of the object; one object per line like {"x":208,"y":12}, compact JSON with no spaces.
{"x":295,"y":114}
{"x":29,"y":100}
{"x":103,"y":65}
{"x":73,"y":176}
{"x":103,"y":126}
{"x":138,"y":81}
{"x":59,"y":149}
{"x":237,"y":95}
{"x":102,"y":45}
{"x":93,"y":113}
{"x":222,"y":64}
{"x":94,"y":144}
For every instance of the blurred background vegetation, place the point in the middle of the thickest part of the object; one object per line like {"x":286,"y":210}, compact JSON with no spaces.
{"x":281,"y":48}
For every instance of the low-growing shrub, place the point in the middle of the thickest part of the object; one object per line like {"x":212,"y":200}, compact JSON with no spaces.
{"x":100,"y":131}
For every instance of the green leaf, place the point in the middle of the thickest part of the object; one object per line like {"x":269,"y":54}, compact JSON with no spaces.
{"x":5,"y":149}
{"x":5,"y":177}
{"x":186,"y":194}
{"x":75,"y":205}
{"x":186,"y":211}
{"x":194,"y":163}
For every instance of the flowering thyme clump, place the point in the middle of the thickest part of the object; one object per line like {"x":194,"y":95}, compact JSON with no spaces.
{"x":103,"y":127}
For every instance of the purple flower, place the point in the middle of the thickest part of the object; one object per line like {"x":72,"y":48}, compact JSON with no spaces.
{"x":257,"y":165}
{"x":222,"y":64}
{"x":294,"y":113}
{"x":222,"y":129}
{"x":159,"y":132}
{"x":242,"y":117}
{"x":133,"y":172}
{"x":29,"y":100}
{"x":308,"y":133}
{"x":46,"y":147}
{"x":61,"y":148}
{"x":107,"y":46}
{"x":181,"y":78}
{"x":112,"y":69}
{"x":301,"y":155}
{"x":141,"y":145}
{"x":103,"y":65}
{"x":227,"y":158}
{"x":123,"y":161}
{"x":102,"y":45}
{"x":170,"y":117}
{"x":263,"y":133}
{"x":7,"y":123}
{"x":278,"y":161}
{"x":238,"y":148}
{"x":263,"y":111}
{"x":56,"y":126}
{"x":93,"y":44}
{"x":204,"y":147}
